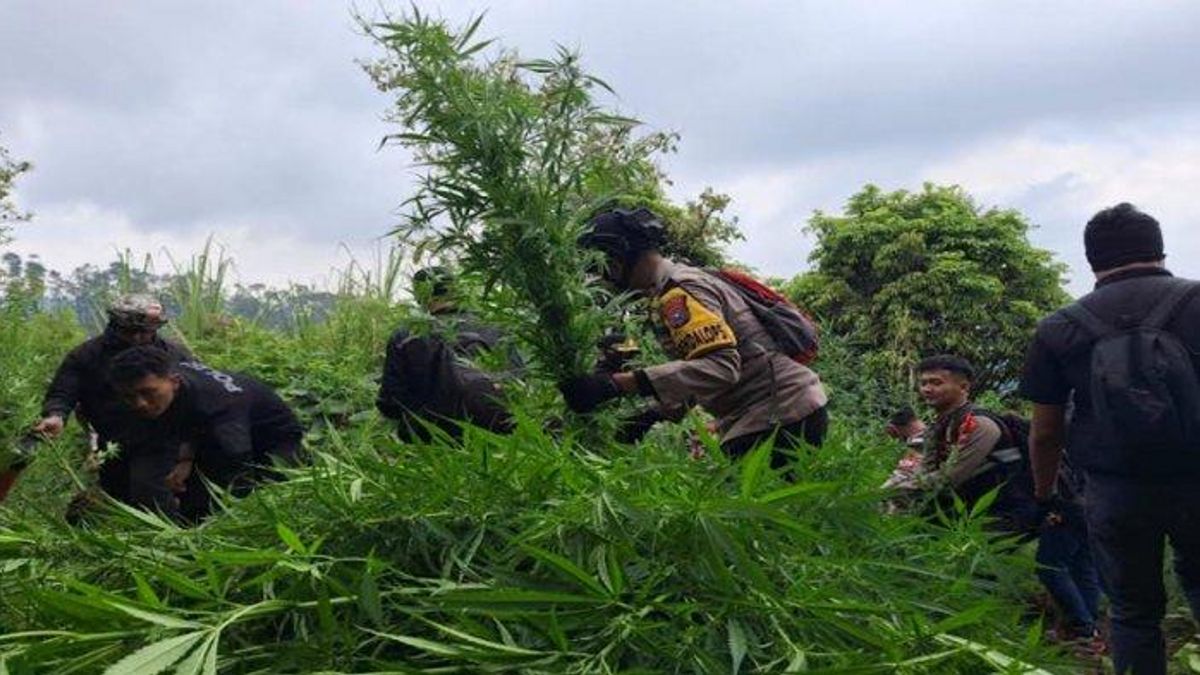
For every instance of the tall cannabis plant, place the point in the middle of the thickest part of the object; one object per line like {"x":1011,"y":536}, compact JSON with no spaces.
{"x":514,"y":155}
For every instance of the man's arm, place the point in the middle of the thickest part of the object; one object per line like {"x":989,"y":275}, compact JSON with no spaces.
{"x":1047,"y":438}
{"x":61,"y":396}
{"x":708,"y":363}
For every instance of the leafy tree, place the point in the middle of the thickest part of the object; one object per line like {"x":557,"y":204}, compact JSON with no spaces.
{"x":516,"y":154}
{"x":699,"y":231}
{"x":9,"y":170}
{"x":906,"y":274}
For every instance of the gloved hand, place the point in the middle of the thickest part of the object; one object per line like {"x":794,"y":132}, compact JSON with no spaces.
{"x":634,"y":428}
{"x":1049,"y":511}
{"x":585,"y":393}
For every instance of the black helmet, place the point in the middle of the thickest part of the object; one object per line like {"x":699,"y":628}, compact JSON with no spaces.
{"x":433,"y":282}
{"x":624,"y":233}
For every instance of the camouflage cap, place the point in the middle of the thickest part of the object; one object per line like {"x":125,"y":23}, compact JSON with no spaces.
{"x":137,"y":311}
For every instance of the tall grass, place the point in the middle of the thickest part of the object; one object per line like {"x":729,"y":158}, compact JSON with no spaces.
{"x":200,"y":288}
{"x":508,"y":554}
{"x":525,"y":553}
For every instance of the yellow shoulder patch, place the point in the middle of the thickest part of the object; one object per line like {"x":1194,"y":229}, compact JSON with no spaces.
{"x":694,"y":329}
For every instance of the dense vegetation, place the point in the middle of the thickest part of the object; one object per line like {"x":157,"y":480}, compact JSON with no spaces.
{"x":528,"y":552}
{"x":910,"y":274}
{"x":554,"y":549}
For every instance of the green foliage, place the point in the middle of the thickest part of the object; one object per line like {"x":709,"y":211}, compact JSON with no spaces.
{"x":10,"y":170}
{"x":523,"y":553}
{"x":508,"y":554}
{"x":515,"y":155}
{"x":903,"y":275}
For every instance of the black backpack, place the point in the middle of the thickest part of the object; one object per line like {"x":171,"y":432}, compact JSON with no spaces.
{"x":1009,"y":465}
{"x":1144,"y":388}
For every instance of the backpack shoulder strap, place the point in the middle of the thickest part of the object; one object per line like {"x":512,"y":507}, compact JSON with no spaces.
{"x":1088,"y":321}
{"x":1171,"y":303}
{"x":1008,"y":447}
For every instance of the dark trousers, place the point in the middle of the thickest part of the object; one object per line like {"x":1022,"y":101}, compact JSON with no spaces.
{"x":1130,"y":524}
{"x":137,"y":477}
{"x":1068,"y":571}
{"x":811,"y":431}
{"x":238,"y":477}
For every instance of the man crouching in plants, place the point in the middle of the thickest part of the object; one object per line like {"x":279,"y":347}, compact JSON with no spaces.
{"x":429,"y":377}
{"x":230,"y":428}
{"x":725,"y":360}
{"x":970,"y":451}
{"x":135,"y":476}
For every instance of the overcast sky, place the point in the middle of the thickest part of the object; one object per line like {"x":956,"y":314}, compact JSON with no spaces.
{"x":155,"y":124}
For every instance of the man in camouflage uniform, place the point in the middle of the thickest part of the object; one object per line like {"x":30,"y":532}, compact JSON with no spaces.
{"x":724,"y":359}
{"x":137,"y":474}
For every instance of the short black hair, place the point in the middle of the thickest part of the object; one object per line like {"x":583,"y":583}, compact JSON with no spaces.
{"x":950,"y":363}
{"x":135,"y":363}
{"x":903,"y":417}
{"x":1122,"y":235}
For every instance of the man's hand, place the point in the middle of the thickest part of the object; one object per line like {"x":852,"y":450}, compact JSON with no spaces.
{"x":51,"y":426}
{"x":177,"y":479}
{"x":633,"y":428}
{"x":585,"y":393}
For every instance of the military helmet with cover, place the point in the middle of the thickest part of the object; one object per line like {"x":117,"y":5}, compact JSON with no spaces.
{"x":623,"y":233}
{"x":137,"y":312}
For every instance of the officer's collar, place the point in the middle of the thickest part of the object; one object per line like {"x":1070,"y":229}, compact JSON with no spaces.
{"x":1134,"y":273}
{"x":662,"y":274}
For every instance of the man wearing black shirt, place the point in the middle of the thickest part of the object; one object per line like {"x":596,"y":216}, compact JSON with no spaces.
{"x":229,"y":426}
{"x":1137,"y":495}
{"x":430,"y":377}
{"x":135,"y":475}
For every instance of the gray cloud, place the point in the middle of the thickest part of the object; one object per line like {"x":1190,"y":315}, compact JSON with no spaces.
{"x":196,"y":117}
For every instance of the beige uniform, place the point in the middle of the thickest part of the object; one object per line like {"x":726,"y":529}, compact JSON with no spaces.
{"x":725,"y":361}
{"x":960,"y":454}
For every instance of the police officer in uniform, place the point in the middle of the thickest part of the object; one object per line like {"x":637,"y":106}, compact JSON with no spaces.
{"x":135,"y":476}
{"x":723,"y":358}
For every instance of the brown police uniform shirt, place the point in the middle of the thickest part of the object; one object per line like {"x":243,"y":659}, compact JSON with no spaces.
{"x":954,"y":456}
{"x":725,"y":361}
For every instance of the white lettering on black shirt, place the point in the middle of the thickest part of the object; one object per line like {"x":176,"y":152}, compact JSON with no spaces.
{"x":221,"y":378}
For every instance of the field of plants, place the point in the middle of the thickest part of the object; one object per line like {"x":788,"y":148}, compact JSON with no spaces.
{"x":543,"y":551}
{"x":553,"y":549}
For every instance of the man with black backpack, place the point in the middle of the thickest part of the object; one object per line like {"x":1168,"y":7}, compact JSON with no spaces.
{"x":1128,"y":353}
{"x":739,"y":349}
{"x":429,"y":377}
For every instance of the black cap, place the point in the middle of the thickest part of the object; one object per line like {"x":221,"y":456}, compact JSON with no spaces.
{"x":1122,"y":235}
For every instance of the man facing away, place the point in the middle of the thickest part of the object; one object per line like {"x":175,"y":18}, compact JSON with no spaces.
{"x":1127,"y":352}
{"x":81,"y":385}
{"x":430,"y":378}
